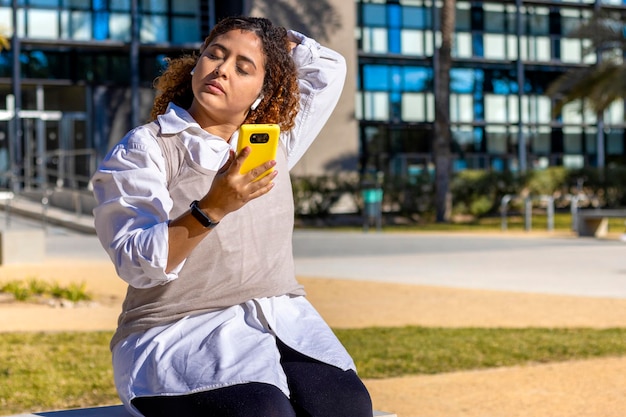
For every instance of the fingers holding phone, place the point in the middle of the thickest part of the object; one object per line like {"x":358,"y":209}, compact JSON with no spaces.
{"x":250,"y":173}
{"x":255,"y":173}
{"x":231,"y":190}
{"x":262,"y":142}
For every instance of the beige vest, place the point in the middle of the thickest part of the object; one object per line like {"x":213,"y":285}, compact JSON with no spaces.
{"x":248,"y":255}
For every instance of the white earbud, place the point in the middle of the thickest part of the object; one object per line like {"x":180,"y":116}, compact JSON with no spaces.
{"x":193,"y":71}
{"x":256,"y":102}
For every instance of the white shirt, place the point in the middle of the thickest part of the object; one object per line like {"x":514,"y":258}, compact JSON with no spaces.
{"x":139,"y":247}
{"x":237,"y":344}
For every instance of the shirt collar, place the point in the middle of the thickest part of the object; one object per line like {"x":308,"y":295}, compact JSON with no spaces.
{"x":176,"y":119}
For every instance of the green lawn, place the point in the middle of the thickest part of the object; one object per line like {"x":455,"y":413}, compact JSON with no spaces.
{"x":44,"y":371}
{"x":539,"y":222}
{"x":388,"y":352}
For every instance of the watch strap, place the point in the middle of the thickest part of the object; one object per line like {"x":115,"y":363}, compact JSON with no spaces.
{"x":201,"y":216}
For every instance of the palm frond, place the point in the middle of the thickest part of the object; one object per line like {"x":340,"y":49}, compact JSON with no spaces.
{"x":599,"y":85}
{"x":4,"y":44}
{"x":609,"y":86}
{"x":605,"y":30}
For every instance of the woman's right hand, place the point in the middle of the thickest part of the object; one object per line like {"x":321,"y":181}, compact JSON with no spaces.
{"x":231,"y":190}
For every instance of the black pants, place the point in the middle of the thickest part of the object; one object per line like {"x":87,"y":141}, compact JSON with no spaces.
{"x":317,"y":390}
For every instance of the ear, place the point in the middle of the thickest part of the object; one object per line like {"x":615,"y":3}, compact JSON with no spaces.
{"x":256,"y":102}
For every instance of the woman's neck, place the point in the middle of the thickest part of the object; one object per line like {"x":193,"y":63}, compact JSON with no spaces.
{"x":221,"y":128}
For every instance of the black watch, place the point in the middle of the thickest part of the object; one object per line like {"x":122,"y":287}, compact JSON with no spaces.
{"x":201,"y":216}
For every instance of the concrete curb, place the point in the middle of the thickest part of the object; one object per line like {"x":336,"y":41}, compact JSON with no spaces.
{"x":47,"y":215}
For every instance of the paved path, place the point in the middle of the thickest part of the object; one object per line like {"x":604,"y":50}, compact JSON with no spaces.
{"x":533,"y":262}
{"x":519,"y":262}
{"x":527,"y":263}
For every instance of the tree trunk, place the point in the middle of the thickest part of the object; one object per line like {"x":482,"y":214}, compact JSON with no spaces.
{"x":442,"y":132}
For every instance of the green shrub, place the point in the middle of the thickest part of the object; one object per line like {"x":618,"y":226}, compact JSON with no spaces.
{"x":24,"y":290}
{"x":72,"y":292}
{"x":479,"y":192}
{"x":19,"y":289}
{"x":315,"y":195}
{"x":547,"y":181}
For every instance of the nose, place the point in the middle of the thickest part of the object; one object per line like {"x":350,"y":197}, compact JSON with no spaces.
{"x":224,"y":68}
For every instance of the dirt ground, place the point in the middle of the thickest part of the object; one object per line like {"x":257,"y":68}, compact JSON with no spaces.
{"x":591,"y":388}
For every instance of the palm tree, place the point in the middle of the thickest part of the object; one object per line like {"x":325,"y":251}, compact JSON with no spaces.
{"x":4,"y":41}
{"x":442,"y":133}
{"x":604,"y":82}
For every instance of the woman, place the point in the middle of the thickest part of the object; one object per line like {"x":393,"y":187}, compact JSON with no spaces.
{"x":214,"y":322}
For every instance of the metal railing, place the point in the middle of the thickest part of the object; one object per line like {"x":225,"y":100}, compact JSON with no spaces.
{"x":574,"y":203}
{"x":65,"y":172}
{"x":7,"y":198}
{"x":548,"y":200}
{"x":62,"y":178}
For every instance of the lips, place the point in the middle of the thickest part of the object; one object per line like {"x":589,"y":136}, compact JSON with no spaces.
{"x":215,"y":87}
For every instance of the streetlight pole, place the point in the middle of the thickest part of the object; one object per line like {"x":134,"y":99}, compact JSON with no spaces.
{"x":134,"y":64}
{"x":601,"y":157}
{"x":15,"y":138}
{"x":521,"y":140}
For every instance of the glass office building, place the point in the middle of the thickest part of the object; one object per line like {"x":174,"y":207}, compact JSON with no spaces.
{"x":83,"y":72}
{"x":505,"y":55}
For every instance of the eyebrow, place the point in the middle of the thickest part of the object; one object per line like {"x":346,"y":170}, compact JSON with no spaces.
{"x":239,"y":57}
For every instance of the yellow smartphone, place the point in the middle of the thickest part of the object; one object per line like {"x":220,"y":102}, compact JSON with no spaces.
{"x":263,"y":142}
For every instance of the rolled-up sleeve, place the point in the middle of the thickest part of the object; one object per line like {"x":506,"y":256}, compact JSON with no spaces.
{"x":131,"y":216}
{"x":321,"y":76}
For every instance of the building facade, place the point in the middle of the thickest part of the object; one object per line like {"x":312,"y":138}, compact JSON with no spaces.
{"x":79,"y":75}
{"x":505,"y":55}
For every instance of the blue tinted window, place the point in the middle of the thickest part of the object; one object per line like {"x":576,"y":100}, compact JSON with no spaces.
{"x":185,"y":29}
{"x":394,"y":19}
{"x":6,"y":62}
{"x":477,"y":45}
{"x":396,"y":78}
{"x":77,"y":4}
{"x":462,"y":80}
{"x":154,"y":28}
{"x":37,"y":64}
{"x":415,"y":18}
{"x":376,"y":77}
{"x":503,"y":85}
{"x":417,"y":79}
{"x":374,"y":15}
{"x":463,"y":21}
{"x":44,"y":3}
{"x":119,"y":5}
{"x":394,"y":16}
{"x":154,"y":6}
{"x":495,"y":21}
{"x":394,"y":41}
{"x":479,"y":109}
{"x":187,"y":6}
{"x":99,"y":4}
{"x":101,"y":26}
{"x":538,"y":23}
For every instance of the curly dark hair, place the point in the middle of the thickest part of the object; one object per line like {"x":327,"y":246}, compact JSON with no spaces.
{"x":280,"y":86}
